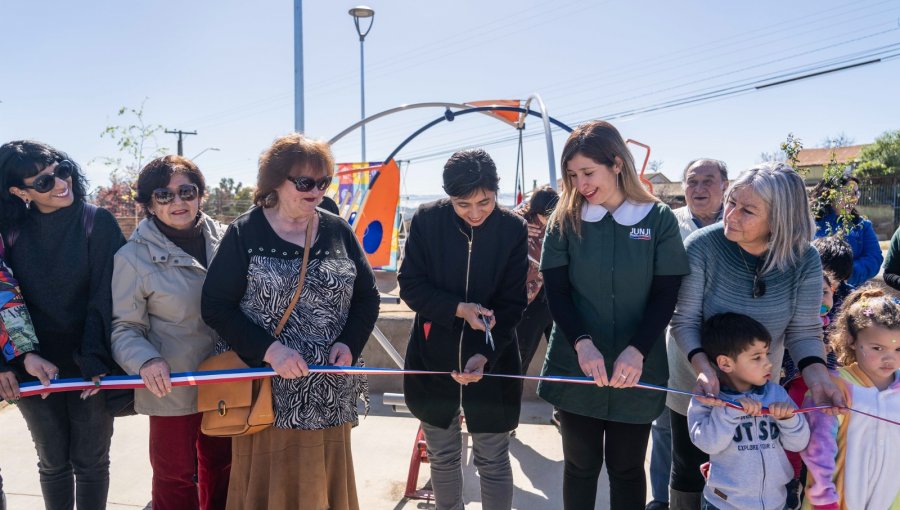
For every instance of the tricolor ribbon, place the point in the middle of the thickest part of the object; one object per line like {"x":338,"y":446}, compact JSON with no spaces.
{"x":114,"y":382}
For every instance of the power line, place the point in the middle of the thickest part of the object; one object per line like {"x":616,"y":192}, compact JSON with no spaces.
{"x":679,"y":102}
{"x":408,"y":60}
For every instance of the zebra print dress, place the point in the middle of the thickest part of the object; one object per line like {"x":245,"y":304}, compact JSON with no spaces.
{"x":338,"y":303}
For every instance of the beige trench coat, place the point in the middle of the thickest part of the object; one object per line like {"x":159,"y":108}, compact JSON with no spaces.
{"x":156,"y":290}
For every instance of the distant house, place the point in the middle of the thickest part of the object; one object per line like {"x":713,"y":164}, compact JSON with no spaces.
{"x":657,"y":178}
{"x":811,"y":162}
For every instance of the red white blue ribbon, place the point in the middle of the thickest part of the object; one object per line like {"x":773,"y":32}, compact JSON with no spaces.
{"x":114,"y":382}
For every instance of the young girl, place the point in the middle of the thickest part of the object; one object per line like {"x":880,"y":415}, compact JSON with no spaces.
{"x":852,"y":458}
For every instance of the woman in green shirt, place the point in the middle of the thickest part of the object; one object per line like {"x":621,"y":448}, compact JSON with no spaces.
{"x":612,"y":263}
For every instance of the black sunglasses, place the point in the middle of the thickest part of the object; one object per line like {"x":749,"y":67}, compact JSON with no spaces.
{"x":305,"y":184}
{"x":46,"y":182}
{"x":759,"y":285}
{"x":186,"y":192}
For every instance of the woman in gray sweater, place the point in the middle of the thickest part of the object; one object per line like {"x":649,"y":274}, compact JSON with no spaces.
{"x":758,"y":262}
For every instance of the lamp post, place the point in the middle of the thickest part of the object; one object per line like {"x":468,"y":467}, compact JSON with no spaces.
{"x":362,"y":12}
{"x":204,"y":150}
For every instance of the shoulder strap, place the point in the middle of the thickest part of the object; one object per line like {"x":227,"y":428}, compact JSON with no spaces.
{"x":287,"y":313}
{"x":11,"y":237}
{"x":87,"y":218}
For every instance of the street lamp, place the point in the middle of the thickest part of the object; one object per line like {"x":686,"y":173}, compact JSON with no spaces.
{"x":362,"y":12}
{"x":204,"y":150}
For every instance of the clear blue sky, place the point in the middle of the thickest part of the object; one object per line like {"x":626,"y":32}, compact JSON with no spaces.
{"x":225,"y":69}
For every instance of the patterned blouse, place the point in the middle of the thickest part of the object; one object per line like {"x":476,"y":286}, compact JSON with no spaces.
{"x":249,"y":286}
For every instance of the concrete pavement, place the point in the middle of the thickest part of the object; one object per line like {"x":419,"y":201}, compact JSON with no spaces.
{"x":382,"y":446}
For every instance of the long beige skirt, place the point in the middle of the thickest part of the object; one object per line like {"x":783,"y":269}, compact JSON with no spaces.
{"x":293,"y":469}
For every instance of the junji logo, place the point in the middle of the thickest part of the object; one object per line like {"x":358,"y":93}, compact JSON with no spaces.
{"x":641,"y":234}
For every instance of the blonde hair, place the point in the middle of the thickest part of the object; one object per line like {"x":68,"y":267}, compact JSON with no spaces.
{"x":872,"y":305}
{"x":601,"y":142}
{"x":791,"y":226}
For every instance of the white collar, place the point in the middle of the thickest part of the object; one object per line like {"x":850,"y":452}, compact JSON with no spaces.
{"x":627,"y":214}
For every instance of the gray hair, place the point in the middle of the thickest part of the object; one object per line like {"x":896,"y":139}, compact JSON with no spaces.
{"x":723,"y":168}
{"x":791,"y":225}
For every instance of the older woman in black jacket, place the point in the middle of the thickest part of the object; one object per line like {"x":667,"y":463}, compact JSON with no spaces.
{"x":463,"y":273}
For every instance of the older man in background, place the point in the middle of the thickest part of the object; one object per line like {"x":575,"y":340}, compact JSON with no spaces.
{"x":704,"y":182}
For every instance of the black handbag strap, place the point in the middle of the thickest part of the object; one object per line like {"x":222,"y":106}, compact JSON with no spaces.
{"x":87,"y":221}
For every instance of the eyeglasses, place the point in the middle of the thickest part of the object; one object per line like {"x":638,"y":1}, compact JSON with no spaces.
{"x":305,"y":184}
{"x":46,"y":182}
{"x":186,"y":192}
{"x":759,"y":285}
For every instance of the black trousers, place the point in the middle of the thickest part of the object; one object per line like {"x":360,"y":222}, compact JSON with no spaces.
{"x":72,"y":438}
{"x":686,"y":458}
{"x":586,"y":442}
{"x":536,"y":322}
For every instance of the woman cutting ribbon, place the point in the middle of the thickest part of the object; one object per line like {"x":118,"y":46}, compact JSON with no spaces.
{"x":463,"y":273}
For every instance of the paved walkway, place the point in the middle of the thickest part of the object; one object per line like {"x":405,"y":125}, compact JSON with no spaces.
{"x":382,"y":446}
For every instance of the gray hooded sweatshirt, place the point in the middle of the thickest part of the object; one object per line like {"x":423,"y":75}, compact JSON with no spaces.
{"x":748,"y":466}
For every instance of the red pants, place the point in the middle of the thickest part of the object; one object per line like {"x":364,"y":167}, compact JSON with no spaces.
{"x":178,"y":451}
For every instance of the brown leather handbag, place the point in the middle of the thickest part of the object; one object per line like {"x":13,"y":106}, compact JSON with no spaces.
{"x":242,"y":408}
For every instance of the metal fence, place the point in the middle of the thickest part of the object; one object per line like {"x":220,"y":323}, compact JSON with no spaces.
{"x":879,"y":202}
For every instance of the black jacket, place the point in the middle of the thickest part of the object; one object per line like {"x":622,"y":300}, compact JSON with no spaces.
{"x":438,"y":272}
{"x":65,"y":280}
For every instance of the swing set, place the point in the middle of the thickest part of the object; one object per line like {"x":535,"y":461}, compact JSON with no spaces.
{"x":368,"y":197}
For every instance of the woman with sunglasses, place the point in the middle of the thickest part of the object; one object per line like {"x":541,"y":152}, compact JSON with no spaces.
{"x":304,"y":460}
{"x":61,"y":252}
{"x":157,"y":329}
{"x":834,"y":209}
{"x":759,"y":262}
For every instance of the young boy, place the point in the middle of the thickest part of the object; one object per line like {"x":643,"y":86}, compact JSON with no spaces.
{"x":748,"y":466}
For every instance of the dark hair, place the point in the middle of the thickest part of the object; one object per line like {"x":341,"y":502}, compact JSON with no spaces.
{"x":157,"y":174}
{"x":542,"y":202}
{"x":730,"y":334}
{"x":836,"y":255}
{"x":330,"y":205}
{"x":822,"y":195}
{"x":468,"y":171}
{"x":286,"y":152}
{"x":20,"y":160}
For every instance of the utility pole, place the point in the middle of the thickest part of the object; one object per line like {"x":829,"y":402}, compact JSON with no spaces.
{"x":362,"y":12}
{"x":298,"y":67}
{"x":180,"y":134}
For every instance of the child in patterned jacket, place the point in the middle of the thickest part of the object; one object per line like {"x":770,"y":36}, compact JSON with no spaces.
{"x":852,"y":459}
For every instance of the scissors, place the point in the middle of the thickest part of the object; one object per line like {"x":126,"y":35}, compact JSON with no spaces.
{"x":488,"y":338}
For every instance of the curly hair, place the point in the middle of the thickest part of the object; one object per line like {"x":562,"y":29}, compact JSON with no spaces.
{"x":20,"y":160}
{"x":872,"y":305}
